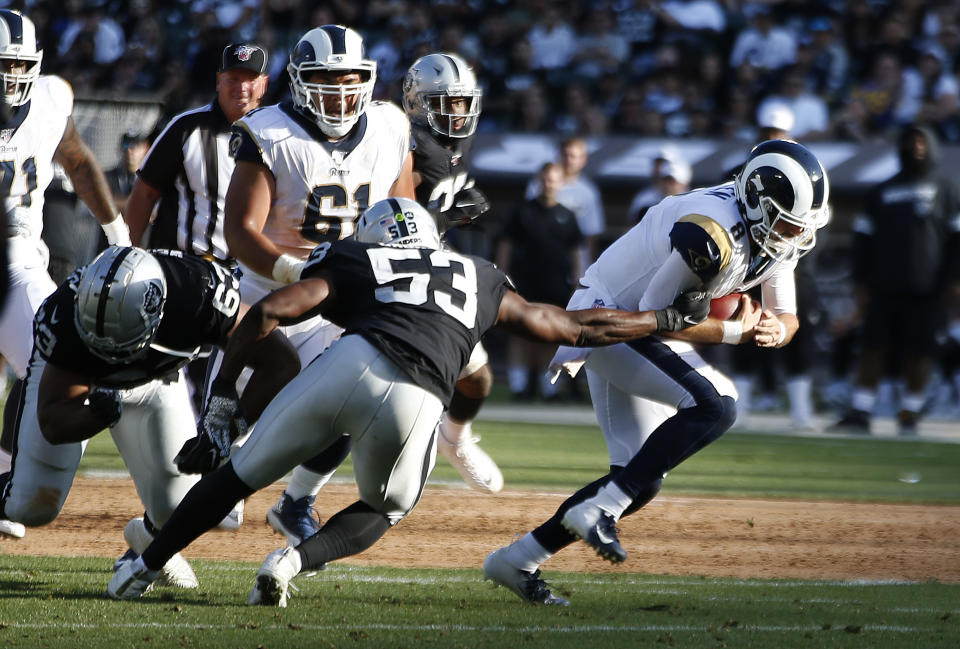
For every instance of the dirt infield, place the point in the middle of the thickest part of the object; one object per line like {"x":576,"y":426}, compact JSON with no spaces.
{"x":673,"y":535}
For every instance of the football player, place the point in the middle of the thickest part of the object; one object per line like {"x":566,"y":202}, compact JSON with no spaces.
{"x":442,"y":100}
{"x":412,"y":313}
{"x":305,"y":171}
{"x":38,"y":131}
{"x":658,"y":402}
{"x":108,"y":345}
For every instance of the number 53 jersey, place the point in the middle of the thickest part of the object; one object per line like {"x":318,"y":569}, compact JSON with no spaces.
{"x":424,"y":309}
{"x":322,"y":186}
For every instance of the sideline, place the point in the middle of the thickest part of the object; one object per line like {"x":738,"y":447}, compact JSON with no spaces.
{"x":930,"y":430}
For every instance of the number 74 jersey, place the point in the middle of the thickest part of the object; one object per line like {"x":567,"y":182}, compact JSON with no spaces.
{"x":27,"y":146}
{"x":322,"y":186}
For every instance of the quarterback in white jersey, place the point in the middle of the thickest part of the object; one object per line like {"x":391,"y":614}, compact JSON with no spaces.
{"x":305,"y":171}
{"x":657,"y":401}
{"x":38,"y":131}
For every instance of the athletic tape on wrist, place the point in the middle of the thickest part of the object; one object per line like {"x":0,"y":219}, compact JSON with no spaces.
{"x":287,"y":269}
{"x":732,"y":332}
{"x":117,"y":232}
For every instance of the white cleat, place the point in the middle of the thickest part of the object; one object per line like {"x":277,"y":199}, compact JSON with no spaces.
{"x":273,"y":578}
{"x":131,"y":580}
{"x":476,"y":467}
{"x":527,"y":585}
{"x":12,"y":528}
{"x":234,"y":519}
{"x":176,"y":572}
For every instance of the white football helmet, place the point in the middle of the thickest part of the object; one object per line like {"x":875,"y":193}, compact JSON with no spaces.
{"x":18,"y":42}
{"x":398,"y":222}
{"x":428,"y":88}
{"x":119,"y":303}
{"x":783,"y":193}
{"x":331,"y":48}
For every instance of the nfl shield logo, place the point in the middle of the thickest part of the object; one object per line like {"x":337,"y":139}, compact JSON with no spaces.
{"x":6,"y":134}
{"x":244,"y":52}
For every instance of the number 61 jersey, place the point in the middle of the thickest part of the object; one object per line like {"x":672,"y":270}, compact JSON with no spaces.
{"x":322,"y":185}
{"x":424,"y":309}
{"x":203,"y":300}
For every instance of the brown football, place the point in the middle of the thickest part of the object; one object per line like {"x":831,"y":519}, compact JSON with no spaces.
{"x":726,"y":307}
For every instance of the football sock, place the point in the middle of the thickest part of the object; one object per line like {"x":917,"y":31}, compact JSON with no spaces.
{"x":201,"y":509}
{"x":526,"y":553}
{"x":453,"y":432}
{"x":348,"y":532}
{"x":675,"y":440}
{"x":304,"y":482}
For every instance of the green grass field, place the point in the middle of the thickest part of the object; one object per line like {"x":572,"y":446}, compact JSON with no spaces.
{"x":58,"y":602}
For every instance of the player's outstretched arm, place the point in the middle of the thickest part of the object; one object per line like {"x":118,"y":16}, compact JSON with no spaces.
{"x":91,"y":186}
{"x":593,"y":327}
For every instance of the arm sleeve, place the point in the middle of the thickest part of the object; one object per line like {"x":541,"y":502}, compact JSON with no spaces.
{"x":673,"y":278}
{"x":779,"y":292}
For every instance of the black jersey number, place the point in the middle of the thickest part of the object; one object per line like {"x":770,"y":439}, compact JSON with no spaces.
{"x":8,"y":171}
{"x":464,"y":282}
{"x":317,"y":227}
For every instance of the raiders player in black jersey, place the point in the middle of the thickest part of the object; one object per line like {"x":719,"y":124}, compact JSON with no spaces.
{"x":411,"y":314}
{"x":108,"y":346}
{"x":442,"y":99}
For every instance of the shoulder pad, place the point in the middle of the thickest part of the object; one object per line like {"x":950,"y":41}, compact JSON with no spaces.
{"x":244,"y":145}
{"x":703,"y":243}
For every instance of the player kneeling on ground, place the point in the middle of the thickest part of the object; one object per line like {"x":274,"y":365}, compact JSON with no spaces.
{"x":108,"y":347}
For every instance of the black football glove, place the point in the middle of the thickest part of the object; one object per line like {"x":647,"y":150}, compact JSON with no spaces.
{"x":105,"y":404}
{"x":690,"y":308}
{"x":468,"y":204}
{"x":215,"y":432}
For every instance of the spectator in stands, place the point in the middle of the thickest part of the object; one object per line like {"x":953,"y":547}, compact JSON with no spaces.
{"x":599,"y":49}
{"x":764,"y":44}
{"x":109,"y":40}
{"x":670,"y":175}
{"x":829,"y":67}
{"x":537,"y":247}
{"x":910,"y":218}
{"x":940,"y":91}
{"x":133,"y":149}
{"x":886,"y":93}
{"x":811,"y":115}
{"x":552,"y":40}
{"x":531,"y":113}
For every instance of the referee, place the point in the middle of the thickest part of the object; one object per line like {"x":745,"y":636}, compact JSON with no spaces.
{"x":188,"y":168}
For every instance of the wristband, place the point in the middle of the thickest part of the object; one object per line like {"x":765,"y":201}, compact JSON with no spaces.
{"x":732,"y":332}
{"x":287,"y":269}
{"x":783,"y":333}
{"x":118,"y":234}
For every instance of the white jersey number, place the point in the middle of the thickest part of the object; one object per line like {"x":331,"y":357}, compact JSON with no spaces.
{"x":442,"y":195}
{"x":465,"y":282}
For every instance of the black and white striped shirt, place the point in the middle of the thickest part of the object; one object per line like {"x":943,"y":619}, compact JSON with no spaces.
{"x":191,"y":165}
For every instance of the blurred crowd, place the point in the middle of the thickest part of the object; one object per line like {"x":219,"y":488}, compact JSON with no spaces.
{"x":852,"y":70}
